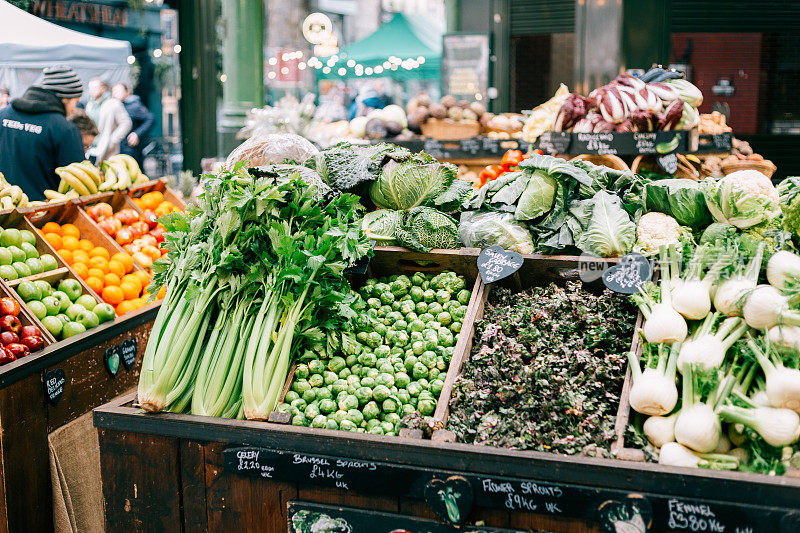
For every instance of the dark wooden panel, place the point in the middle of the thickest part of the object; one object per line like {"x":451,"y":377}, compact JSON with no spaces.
{"x":239,"y":503}
{"x":26,"y":462}
{"x":531,"y":521}
{"x":333,"y":496}
{"x":141,"y":482}
{"x":193,"y":486}
{"x":89,"y":384}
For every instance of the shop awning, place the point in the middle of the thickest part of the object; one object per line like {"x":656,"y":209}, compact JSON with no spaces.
{"x":404,"y":38}
{"x":28,"y":44}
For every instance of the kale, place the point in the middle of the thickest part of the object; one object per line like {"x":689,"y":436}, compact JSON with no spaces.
{"x":546,"y":371}
{"x":350,"y":167}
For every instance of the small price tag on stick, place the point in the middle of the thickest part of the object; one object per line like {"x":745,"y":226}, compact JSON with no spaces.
{"x":628,"y":276}
{"x":495,"y":263}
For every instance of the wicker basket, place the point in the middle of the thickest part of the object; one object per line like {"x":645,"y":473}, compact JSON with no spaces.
{"x":610,"y":161}
{"x":766,"y":167}
{"x":450,"y":130}
{"x":685,"y":168}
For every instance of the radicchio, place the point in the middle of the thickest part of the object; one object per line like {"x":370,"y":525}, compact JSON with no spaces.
{"x":671,"y":116}
{"x":572,"y":110}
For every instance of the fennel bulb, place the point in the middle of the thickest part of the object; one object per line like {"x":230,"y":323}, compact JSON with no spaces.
{"x":730,"y":294}
{"x":783,"y":384}
{"x":698,"y":427}
{"x":777,"y":426}
{"x":783,"y":266}
{"x":692,"y":296}
{"x":674,"y":454}
{"x":660,"y":430}
{"x":785,"y":336}
{"x":708,"y":350}
{"x":766,"y":307}
{"x":663,"y":324}
{"x":654,"y":391}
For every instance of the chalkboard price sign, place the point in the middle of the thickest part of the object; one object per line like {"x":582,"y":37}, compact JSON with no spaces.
{"x":54,"y":382}
{"x":495,"y":263}
{"x":127,"y":351}
{"x":555,"y":142}
{"x":628,"y":276}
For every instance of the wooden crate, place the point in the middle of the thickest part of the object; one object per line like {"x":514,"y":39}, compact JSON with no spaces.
{"x":15,"y":219}
{"x":161,"y":186}
{"x":25,"y":315}
{"x":394,"y":260}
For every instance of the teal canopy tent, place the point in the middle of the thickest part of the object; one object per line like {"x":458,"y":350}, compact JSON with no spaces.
{"x":406,"y":39}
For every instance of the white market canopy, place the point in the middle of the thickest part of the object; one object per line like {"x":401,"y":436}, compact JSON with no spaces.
{"x":28,"y":44}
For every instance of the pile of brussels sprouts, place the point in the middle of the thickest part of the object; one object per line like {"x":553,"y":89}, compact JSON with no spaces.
{"x":397,"y":365}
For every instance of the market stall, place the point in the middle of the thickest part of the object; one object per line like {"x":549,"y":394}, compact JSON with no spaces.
{"x":76,"y":319}
{"x":505,"y":383}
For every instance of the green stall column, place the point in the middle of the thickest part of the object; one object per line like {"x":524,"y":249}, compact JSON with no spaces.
{"x":242,"y":67}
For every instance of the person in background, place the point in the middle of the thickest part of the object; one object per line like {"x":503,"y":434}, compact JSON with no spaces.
{"x":141,"y":118}
{"x":86,"y":127}
{"x":35,"y":136}
{"x":111,"y":118}
{"x":368,"y":99}
{"x":5,"y":96}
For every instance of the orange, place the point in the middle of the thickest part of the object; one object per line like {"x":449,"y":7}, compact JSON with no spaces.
{"x":124,"y":307}
{"x":54,"y":239}
{"x":125,"y":259}
{"x":130,"y":290}
{"x":51,"y":227}
{"x":111,"y":279}
{"x":80,"y":256}
{"x":115,"y":267}
{"x":97,"y":273}
{"x":85,"y":245}
{"x":70,"y":230}
{"x":138,"y":203}
{"x":95,"y":283}
{"x":151,"y":200}
{"x":144,"y":279}
{"x":133,"y":279}
{"x":98,"y":262}
{"x":99,"y":251}
{"x":113,"y":295}
{"x":81,"y":270}
{"x":70,"y":242}
{"x":66,"y":255}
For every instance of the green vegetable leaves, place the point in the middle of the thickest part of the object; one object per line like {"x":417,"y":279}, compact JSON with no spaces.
{"x":345,"y":166}
{"x":680,"y":198}
{"x":420,"y":181}
{"x":610,"y":231}
{"x":424,"y":228}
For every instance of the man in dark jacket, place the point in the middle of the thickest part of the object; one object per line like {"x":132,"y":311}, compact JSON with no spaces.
{"x":35,"y":136}
{"x":142,"y":120}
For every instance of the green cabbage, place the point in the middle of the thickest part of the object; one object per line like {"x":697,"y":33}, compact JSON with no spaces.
{"x":610,"y":232}
{"x":346,"y":166}
{"x":420,"y":181}
{"x":538,"y":196}
{"x":381,"y":226}
{"x":743,"y":198}
{"x":718,"y":231}
{"x":484,"y":229}
{"x":682,"y":199}
{"x":424,"y":228}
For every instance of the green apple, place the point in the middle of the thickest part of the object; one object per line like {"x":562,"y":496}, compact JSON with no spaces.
{"x":5,"y":256}
{"x":87,"y":301}
{"x":37,"y":308}
{"x":52,"y":305}
{"x":71,"y":287}
{"x":29,"y":249}
{"x":62,"y":297}
{"x":105,"y":312}
{"x":28,"y":291}
{"x":8,"y":272}
{"x":23,"y":271}
{"x":10,"y":237}
{"x":34,"y":265}
{"x":72,"y":328}
{"x":88,"y":319}
{"x":27,"y":236}
{"x":44,"y":287}
{"x":74,"y":310}
{"x":63,"y":318}
{"x":52,"y":324}
{"x":17,"y":253}
{"x":48,"y":262}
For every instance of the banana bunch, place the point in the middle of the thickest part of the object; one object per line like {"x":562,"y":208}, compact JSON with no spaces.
{"x":79,"y":179}
{"x":11,"y":196}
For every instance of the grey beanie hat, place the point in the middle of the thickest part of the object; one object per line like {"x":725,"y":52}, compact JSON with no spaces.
{"x":63,"y":81}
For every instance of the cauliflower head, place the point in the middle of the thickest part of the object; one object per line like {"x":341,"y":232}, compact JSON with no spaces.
{"x":743,"y":198}
{"x":656,"y":229}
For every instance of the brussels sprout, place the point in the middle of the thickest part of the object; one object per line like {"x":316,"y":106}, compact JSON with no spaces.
{"x":435,"y":308}
{"x":327,"y":406}
{"x":336,"y":364}
{"x":431,"y":339}
{"x":444,"y":318}
{"x":398,"y":366}
{"x":380,"y":329}
{"x":416,"y":326}
{"x":460,"y":312}
{"x":299,"y":420}
{"x":371,"y":410}
{"x":349,"y":402}
{"x":409,"y":362}
{"x":428,"y":296}
{"x":382,"y":351}
{"x":401,"y":339}
{"x":384,"y":310}
{"x":301,"y":372}
{"x":356,"y":369}
{"x":373,"y":314}
{"x":364,"y":394}
{"x":426,"y":393}
{"x":339,"y":415}
{"x":446,"y":337}
{"x":401,"y":379}
{"x":426,"y":318}
{"x":418,"y":347}
{"x":376,"y":430}
{"x":347,"y":425}
{"x":389,"y":405}
{"x":455,"y":327}
{"x":355,"y":416}
{"x":343,"y":373}
{"x":300,"y":385}
{"x":436,"y":387}
{"x":319,"y":421}
{"x":434,"y":373}
{"x":329,"y":378}
{"x":331,"y":424}
{"x":421,"y":307}
{"x":396,"y":351}
{"x":408,"y":409}
{"x":311,"y":410}
{"x":386,"y":379}
{"x":367,"y":359}
{"x":428,"y":358}
{"x":401,"y":325}
{"x":418,"y":278}
{"x":316,"y":380}
{"x":416,"y":336}
{"x":310,"y":395}
{"x":425,"y":384}
{"x":374,"y":340}
{"x":410,"y":317}
{"x":403,"y":396}
{"x":351,"y":360}
{"x":386,"y":368}
{"x":372,"y":373}
{"x":388,"y":428}
{"x":285,"y":408}
{"x":367,"y":381}
{"x":416,"y":294}
{"x":290,"y":396}
{"x":395,"y":305}
{"x":372,"y":422}
{"x":426,"y":407}
{"x":414,"y":388}
{"x":381,"y":392}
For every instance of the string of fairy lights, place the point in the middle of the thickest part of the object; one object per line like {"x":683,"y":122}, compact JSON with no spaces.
{"x":338,"y":63}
